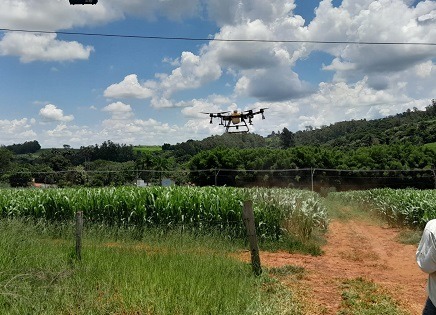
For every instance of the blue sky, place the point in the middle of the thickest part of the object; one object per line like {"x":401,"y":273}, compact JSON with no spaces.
{"x":83,"y":90}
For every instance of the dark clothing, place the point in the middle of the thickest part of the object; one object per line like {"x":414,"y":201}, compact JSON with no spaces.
{"x":429,"y":308}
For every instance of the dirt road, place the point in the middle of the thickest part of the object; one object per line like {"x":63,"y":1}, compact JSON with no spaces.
{"x":358,"y":249}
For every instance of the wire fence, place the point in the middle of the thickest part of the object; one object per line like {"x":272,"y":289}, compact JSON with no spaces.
{"x":316,"y":179}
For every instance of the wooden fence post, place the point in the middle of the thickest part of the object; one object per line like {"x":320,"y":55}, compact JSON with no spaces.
{"x":248,"y":217}
{"x":79,"y":229}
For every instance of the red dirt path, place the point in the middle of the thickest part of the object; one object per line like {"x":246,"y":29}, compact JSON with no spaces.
{"x":357,"y":249}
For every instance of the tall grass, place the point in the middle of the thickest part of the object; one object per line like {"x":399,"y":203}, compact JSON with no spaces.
{"x":364,"y":297}
{"x":408,"y":207}
{"x":167,"y":275}
{"x":278,"y":211}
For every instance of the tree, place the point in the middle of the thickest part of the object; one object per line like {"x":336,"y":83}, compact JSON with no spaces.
{"x":108,"y":173}
{"x":20,"y":177}
{"x":5,"y":159}
{"x":287,"y":138}
{"x":26,"y":147}
{"x":76,"y":176}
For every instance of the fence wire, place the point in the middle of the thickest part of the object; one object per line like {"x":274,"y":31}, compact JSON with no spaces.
{"x":317,"y":179}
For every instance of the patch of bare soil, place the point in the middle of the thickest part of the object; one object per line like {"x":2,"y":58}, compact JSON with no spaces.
{"x":356,"y":249}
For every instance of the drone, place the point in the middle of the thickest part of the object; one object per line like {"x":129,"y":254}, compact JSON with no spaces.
{"x":73,"y":2}
{"x":236,"y":122}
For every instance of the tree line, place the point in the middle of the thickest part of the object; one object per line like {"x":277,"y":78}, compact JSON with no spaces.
{"x":402,"y":142}
{"x":366,"y":167}
{"x":96,"y":165}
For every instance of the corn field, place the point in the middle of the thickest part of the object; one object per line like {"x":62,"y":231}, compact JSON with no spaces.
{"x":410,"y":207}
{"x":277,"y":211}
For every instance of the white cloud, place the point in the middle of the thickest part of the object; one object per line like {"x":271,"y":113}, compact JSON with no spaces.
{"x":73,"y":135}
{"x":341,"y":101}
{"x":161,"y":102}
{"x":246,"y":55}
{"x":119,"y":111}
{"x":129,"y":88}
{"x":127,"y":131}
{"x":369,"y":81}
{"x":59,"y":15}
{"x":197,"y":107}
{"x":427,"y":17}
{"x":51,"y":113}
{"x":425,"y":69}
{"x":60,"y":131}
{"x":31,"y":47}
{"x":16,"y":130}
{"x":53,"y":15}
{"x":193,"y":72}
{"x":137,"y":131}
{"x":374,"y":21}
{"x":226,"y":12}
{"x":333,"y":102}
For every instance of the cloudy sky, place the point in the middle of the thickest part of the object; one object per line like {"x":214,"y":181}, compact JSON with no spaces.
{"x":60,"y":88}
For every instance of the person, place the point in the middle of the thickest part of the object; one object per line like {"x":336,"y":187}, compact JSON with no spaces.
{"x":426,"y":259}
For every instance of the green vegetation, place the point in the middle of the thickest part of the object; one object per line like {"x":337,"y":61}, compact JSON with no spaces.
{"x":23,"y":148}
{"x":281,"y":214}
{"x":292,"y":167}
{"x":146,"y":148}
{"x":183,"y":265}
{"x":169,"y":274}
{"x":363,"y":297}
{"x":405,"y":207}
{"x":401,"y":144}
{"x":297,"y":272}
{"x":410,"y":236}
{"x":413,"y":127}
{"x":431,"y":146}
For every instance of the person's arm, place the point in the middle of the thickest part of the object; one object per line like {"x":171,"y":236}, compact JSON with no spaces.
{"x":426,"y":252}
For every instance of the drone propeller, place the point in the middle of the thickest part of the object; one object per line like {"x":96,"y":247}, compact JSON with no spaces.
{"x":215,"y":115}
{"x":236,"y":118}
{"x":216,"y":112}
{"x":261,"y":111}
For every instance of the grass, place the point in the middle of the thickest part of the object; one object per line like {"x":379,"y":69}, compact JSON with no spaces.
{"x":410,"y":237}
{"x":340,"y":211}
{"x":163,"y":273}
{"x":285,"y":218}
{"x":288,"y":270}
{"x":364,"y":297}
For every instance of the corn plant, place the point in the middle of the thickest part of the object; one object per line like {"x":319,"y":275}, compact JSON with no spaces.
{"x":277,"y":211}
{"x":398,"y":206}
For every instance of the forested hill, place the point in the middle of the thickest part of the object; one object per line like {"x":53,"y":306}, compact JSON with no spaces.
{"x":413,"y":126}
{"x":185,"y":150}
{"x":417,"y":127}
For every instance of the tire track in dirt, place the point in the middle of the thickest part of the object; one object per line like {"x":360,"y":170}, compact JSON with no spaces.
{"x":356,"y":249}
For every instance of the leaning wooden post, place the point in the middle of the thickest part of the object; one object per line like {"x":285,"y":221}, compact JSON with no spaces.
{"x":248,"y":217}
{"x":79,"y":229}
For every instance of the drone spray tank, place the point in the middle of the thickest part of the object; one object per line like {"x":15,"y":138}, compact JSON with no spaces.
{"x":236,"y":117}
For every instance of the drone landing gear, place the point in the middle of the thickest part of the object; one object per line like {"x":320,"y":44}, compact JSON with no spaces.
{"x":236,"y":128}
